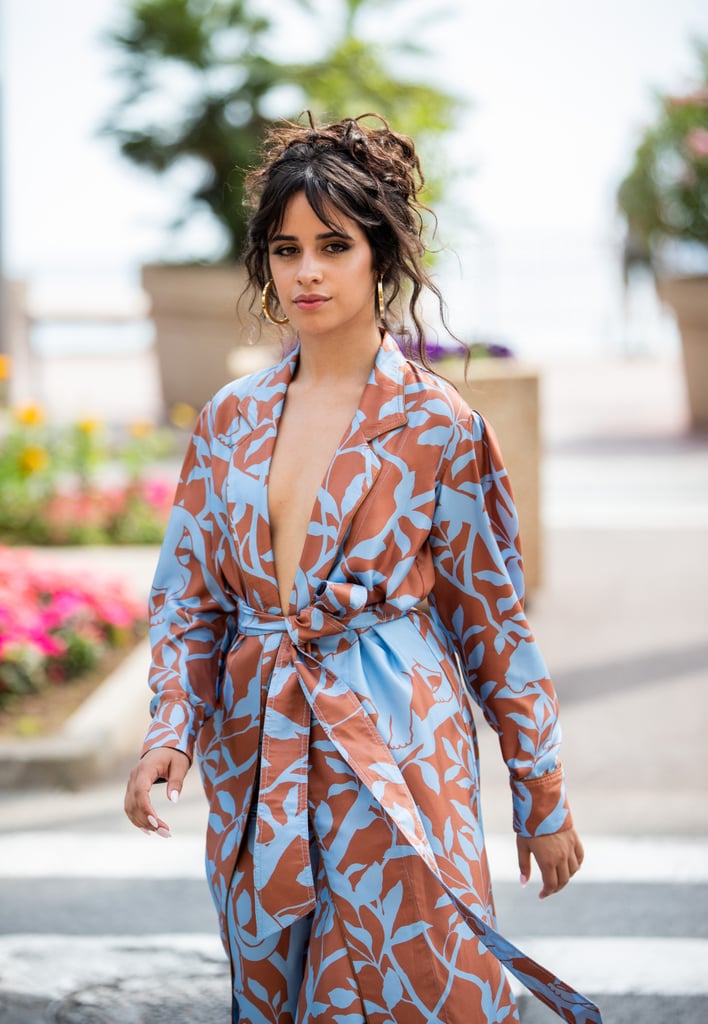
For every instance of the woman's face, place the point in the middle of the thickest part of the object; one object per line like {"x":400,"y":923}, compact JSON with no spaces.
{"x":324,"y":279}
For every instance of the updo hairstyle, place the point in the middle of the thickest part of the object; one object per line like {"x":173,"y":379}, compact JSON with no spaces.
{"x":371,"y":175}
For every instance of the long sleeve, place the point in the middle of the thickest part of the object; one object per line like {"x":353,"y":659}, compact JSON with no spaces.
{"x":192,"y":614}
{"x":478,"y":596}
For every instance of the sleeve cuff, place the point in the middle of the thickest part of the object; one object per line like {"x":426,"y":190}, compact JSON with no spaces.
{"x":541,"y":805}
{"x":174,"y":725}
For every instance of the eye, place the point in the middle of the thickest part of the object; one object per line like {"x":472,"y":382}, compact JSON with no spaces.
{"x":337,"y":247}
{"x":284,"y":250}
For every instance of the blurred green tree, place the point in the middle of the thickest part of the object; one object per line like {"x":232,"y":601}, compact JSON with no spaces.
{"x":664,"y":195}
{"x":201,"y":84}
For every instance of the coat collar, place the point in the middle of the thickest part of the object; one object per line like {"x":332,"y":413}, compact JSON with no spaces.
{"x":382,"y":405}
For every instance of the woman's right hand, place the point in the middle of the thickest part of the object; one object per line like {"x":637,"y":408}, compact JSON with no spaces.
{"x":159,"y":763}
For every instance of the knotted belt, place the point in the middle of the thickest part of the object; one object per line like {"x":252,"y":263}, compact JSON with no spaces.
{"x":301,"y":686}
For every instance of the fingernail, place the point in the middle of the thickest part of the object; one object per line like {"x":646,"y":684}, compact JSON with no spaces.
{"x":147,"y":831}
{"x":164,"y":832}
{"x":152,"y":821}
{"x":523,"y":879}
{"x":174,"y":795}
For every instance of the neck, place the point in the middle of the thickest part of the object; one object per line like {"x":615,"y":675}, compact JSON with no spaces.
{"x":324,"y":362}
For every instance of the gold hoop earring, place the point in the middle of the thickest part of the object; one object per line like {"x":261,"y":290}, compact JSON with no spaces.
{"x":381,"y":300}
{"x":265,"y":295}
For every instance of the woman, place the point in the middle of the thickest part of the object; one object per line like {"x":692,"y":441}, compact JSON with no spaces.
{"x":320,"y":503}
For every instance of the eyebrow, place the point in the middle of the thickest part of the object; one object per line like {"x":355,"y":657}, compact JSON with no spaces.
{"x":320,"y":238}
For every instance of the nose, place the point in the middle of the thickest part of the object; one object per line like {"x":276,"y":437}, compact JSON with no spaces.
{"x":309,"y":269}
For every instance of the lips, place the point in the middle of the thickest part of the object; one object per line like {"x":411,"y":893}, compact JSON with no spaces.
{"x":313,"y":301}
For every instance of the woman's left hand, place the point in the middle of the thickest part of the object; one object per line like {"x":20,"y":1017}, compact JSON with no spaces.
{"x":558,"y":857}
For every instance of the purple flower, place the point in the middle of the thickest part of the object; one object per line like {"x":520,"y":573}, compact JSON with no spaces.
{"x":436,"y":350}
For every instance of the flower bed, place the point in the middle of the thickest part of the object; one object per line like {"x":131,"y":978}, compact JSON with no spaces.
{"x":74,"y":484}
{"x":57,"y":625}
{"x":439,"y":352}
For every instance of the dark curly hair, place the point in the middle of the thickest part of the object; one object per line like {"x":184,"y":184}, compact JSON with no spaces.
{"x":371,"y":175}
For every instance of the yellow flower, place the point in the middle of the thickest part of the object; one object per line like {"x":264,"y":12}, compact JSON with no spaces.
{"x":141,"y":428}
{"x":33,"y":459}
{"x":5,"y":367}
{"x":30,"y":415}
{"x":88,"y":425}
{"x":182,"y":416}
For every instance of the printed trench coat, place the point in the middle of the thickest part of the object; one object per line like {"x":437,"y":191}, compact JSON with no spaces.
{"x":337,"y":747}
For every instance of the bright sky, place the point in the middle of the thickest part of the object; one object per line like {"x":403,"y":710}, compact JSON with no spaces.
{"x":560,"y":90}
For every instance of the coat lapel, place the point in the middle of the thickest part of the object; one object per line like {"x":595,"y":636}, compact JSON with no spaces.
{"x":259,"y":412}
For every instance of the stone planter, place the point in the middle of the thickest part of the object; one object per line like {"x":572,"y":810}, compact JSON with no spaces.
{"x":506,"y":393}
{"x":200,"y":328}
{"x":687,"y":297}
{"x":102,"y":733}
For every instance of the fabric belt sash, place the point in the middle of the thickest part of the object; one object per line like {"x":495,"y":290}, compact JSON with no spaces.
{"x":301,"y":685}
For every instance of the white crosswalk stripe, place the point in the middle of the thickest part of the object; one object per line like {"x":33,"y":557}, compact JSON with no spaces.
{"x":643,"y":966}
{"x":615,"y":966}
{"x":648,"y":968}
{"x":50,"y":854}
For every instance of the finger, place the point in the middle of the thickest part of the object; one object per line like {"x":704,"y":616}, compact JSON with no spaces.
{"x":573,"y":865}
{"x":575,"y":857}
{"x":549,"y":875}
{"x":179,"y":766}
{"x":524,"y":858}
{"x":562,"y":875}
{"x":138,"y":805}
{"x":168,"y":765}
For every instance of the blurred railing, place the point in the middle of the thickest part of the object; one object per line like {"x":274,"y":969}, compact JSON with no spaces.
{"x":65,"y":377}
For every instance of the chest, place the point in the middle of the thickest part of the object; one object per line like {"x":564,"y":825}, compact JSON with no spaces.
{"x":310,"y":430}
{"x":309,"y":433}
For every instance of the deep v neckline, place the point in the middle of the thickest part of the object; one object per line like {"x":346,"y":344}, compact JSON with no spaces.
{"x":348,"y":432}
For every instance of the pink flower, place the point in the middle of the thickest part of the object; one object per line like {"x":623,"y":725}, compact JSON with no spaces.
{"x":697,"y":98}
{"x":42,"y":608}
{"x":49,"y":645}
{"x":158,"y":493}
{"x":696,"y":143}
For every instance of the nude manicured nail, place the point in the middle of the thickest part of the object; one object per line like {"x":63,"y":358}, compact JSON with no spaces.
{"x":147,"y":831}
{"x":174,"y":795}
{"x":152,"y":821}
{"x":523,"y":879}
{"x":164,"y":832}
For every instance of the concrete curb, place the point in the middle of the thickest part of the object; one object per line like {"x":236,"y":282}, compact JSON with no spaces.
{"x":107,"y":726}
{"x":114,"y":979}
{"x":184,"y":979}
